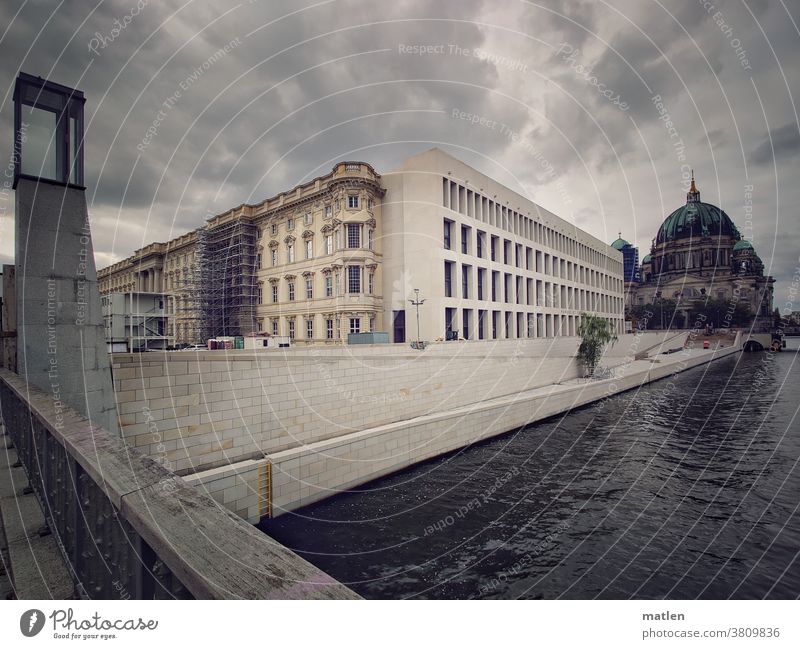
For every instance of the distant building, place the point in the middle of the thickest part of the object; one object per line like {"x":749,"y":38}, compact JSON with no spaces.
{"x":342,"y":254}
{"x":136,"y":321}
{"x":630,"y":266}
{"x":699,"y":253}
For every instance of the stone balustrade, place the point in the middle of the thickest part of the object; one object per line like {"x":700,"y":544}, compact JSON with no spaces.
{"x":130,"y":528}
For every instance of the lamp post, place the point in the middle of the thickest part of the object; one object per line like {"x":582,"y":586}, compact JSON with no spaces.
{"x":416,"y":302}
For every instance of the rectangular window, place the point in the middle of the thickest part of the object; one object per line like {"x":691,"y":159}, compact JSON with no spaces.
{"x":370,"y":204}
{"x":465,"y":233}
{"x":481,"y":273}
{"x":291,"y":291}
{"x":352,"y":201}
{"x":370,"y":239}
{"x":309,"y":288}
{"x":465,"y":282}
{"x":354,"y":279}
{"x":506,"y":251}
{"x":371,"y":283}
{"x":329,"y":328}
{"x":355,"y":325}
{"x":290,"y":224}
{"x":329,"y":244}
{"x":448,"y":279}
{"x":307,"y":219}
{"x":274,"y":255}
{"x":273,"y":228}
{"x":290,"y":253}
{"x":328,"y":286}
{"x":258,"y":260}
{"x":309,"y":328}
{"x":291,"y":328}
{"x":309,"y":249}
{"x":481,"y":243}
{"x":353,"y":235}
{"x":328,"y":211}
{"x":275,"y":293}
{"x":494,"y":242}
{"x":448,"y":231}
{"x":275,"y":327}
{"x":260,"y":294}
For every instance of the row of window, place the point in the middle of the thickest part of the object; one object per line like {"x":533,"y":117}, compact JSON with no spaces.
{"x":333,"y":281}
{"x":333,"y":330}
{"x":352,"y":240}
{"x":482,"y":324}
{"x":505,"y":287}
{"x":458,"y":198}
{"x":526,"y":257}
{"x":692,"y":259}
{"x":353,"y":203}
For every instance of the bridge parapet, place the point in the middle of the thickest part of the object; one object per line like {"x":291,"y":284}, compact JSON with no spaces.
{"x":128,"y":526}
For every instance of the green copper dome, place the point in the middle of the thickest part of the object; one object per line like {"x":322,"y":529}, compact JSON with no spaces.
{"x":647,"y":259}
{"x":695,"y":220}
{"x":619,"y":244}
{"x":743,"y":244}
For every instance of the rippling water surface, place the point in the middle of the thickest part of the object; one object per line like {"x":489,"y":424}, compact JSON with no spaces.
{"x":686,"y":488}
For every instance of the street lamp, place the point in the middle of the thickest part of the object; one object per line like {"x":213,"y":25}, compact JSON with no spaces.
{"x":416,"y":302}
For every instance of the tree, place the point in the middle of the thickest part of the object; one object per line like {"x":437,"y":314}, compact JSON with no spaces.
{"x":595,"y":333}
{"x":652,"y":315}
{"x":720,"y":312}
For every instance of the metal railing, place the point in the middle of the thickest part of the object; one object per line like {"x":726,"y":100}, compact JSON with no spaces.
{"x":128,"y":527}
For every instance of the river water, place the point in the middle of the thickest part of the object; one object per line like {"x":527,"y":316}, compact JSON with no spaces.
{"x":686,"y":488}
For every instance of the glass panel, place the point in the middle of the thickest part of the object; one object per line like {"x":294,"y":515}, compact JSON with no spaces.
{"x":39,"y":147}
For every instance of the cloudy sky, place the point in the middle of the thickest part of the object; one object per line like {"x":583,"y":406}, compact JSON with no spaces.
{"x":569,"y":92}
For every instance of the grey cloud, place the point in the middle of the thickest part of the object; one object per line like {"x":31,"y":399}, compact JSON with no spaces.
{"x":781,"y":144}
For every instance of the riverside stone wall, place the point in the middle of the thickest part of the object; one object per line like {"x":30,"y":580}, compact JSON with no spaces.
{"x":219,"y":415}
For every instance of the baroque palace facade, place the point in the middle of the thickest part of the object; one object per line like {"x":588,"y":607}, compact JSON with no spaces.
{"x":344,"y":252}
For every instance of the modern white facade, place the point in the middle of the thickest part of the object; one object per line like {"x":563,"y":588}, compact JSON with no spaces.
{"x":490,"y":263}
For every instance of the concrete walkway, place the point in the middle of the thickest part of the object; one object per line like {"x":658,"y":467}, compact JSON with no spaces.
{"x":33,"y":566}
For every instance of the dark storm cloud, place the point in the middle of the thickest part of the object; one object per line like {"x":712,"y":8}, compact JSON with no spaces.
{"x":303,"y":86}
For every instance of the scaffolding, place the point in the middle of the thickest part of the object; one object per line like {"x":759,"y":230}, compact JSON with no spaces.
{"x":226,"y":261}
{"x":187,"y":295}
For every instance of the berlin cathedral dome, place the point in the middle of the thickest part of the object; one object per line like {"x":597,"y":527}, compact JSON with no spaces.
{"x":698,"y":254}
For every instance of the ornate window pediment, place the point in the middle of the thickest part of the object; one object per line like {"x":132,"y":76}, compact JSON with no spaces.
{"x":273,"y":244}
{"x":308,"y":234}
{"x":327,"y":228}
{"x":274,"y":280}
{"x":289,"y":277}
{"x":371,"y":223}
{"x":327,"y":270}
{"x":289,"y":239}
{"x":308,"y":273}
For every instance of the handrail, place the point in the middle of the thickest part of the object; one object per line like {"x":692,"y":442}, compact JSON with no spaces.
{"x":128,"y":525}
